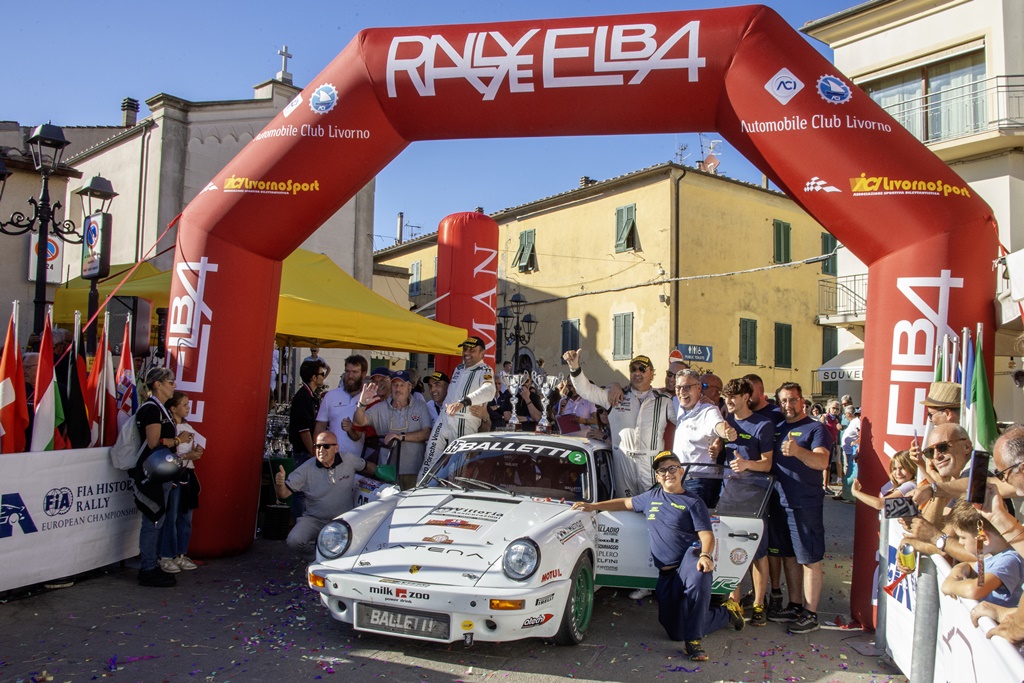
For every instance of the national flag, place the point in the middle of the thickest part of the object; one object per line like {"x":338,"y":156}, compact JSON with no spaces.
{"x":980,"y":416}
{"x":13,"y":402}
{"x":127,"y":398}
{"x":49,"y":412}
{"x":103,"y":414}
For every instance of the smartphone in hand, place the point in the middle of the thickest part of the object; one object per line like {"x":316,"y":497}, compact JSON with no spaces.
{"x":898,"y":508}
{"x":978,"y":479}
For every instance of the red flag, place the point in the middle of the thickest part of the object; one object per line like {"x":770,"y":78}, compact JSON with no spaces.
{"x":13,"y":402}
{"x":103,"y":410}
{"x":127,"y":399}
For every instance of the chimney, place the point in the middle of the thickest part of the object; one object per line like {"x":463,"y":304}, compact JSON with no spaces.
{"x":479,"y":209}
{"x":586,"y":180}
{"x":129,"y":112}
{"x":401,"y":221}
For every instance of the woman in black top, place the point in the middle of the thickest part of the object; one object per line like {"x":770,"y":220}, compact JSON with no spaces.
{"x":156,"y":429}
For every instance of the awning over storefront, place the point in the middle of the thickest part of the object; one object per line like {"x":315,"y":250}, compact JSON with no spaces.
{"x":320,"y":305}
{"x":847,"y":365}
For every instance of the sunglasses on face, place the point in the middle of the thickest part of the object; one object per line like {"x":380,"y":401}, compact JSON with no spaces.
{"x":325,"y":445}
{"x":940,"y":447}
{"x":665,"y":471}
{"x":1001,"y":475}
{"x":686,"y":387}
{"x":639,"y":367}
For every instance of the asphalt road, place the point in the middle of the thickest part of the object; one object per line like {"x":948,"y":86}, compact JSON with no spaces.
{"x":252,"y":618}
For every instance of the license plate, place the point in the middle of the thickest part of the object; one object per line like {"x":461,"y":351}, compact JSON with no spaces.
{"x":405,"y":622}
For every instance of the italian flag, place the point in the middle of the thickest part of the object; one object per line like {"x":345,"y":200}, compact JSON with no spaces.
{"x":49,"y":412}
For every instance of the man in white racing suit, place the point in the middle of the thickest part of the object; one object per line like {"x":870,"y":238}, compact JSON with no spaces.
{"x":637,"y":422}
{"x":472,"y":385}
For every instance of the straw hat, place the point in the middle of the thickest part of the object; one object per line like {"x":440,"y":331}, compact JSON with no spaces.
{"x":943,"y":395}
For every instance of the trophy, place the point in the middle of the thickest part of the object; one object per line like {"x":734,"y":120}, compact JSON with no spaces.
{"x":545,"y":385}
{"x":514,"y":383}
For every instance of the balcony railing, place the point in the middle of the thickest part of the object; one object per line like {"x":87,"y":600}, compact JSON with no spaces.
{"x":843,"y":296}
{"x":992,"y":104}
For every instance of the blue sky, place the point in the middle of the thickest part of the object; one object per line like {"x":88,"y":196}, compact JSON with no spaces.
{"x":96,"y":54}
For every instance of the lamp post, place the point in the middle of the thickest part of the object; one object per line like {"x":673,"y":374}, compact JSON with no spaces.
{"x":95,"y":246}
{"x":47,"y":145}
{"x":521,"y":330}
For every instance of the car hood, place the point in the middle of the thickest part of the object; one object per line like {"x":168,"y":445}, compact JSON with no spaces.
{"x":450,"y":538}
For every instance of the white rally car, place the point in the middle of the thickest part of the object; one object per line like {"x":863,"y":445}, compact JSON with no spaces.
{"x":488,"y":547}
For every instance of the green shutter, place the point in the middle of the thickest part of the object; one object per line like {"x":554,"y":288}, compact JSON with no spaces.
{"x":414,"y":278}
{"x":570,"y":335}
{"x":625,"y":226}
{"x":828,"y":245}
{"x":829,"y":343}
{"x":781,"y":250}
{"x":622,"y":332}
{"x":526,"y":258}
{"x":748,"y":341}
{"x":518,"y":260}
{"x":783,"y":345}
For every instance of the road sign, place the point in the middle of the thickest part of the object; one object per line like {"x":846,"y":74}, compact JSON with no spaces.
{"x":695,"y":352}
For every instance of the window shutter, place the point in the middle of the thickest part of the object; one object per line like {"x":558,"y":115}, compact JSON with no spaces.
{"x":625,"y":227}
{"x":828,"y":245}
{"x":783,"y":345}
{"x":748,"y":341}
{"x":414,"y":278}
{"x":521,"y":252}
{"x":781,"y":250}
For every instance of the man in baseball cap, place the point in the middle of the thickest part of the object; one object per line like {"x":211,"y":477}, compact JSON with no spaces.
{"x":473,"y":342}
{"x":437,"y":386}
{"x":943,"y":403}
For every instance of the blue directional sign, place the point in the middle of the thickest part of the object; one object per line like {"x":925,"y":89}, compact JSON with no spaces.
{"x":695,"y":352}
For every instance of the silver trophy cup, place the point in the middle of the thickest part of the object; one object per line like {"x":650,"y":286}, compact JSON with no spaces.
{"x":545,"y":385}
{"x":514,"y":383}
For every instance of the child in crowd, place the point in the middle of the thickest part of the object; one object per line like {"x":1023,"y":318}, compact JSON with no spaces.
{"x":1004,"y":568}
{"x":902,"y":480}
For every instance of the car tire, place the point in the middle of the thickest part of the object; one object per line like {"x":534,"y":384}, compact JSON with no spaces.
{"x":579,"y":605}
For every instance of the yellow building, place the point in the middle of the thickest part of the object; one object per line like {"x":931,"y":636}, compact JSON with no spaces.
{"x":665,"y":256}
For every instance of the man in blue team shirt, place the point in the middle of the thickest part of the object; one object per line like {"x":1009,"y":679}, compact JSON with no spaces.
{"x":682,"y":544}
{"x":750,"y":452}
{"x":802,"y":451}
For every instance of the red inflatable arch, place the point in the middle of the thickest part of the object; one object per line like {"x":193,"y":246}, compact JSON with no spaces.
{"x":927,"y":238}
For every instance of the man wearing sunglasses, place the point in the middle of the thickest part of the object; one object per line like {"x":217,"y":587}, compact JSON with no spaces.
{"x":943,"y":461}
{"x":943,"y":403}
{"x":328,"y":481}
{"x":682,"y":544}
{"x":637,"y":421}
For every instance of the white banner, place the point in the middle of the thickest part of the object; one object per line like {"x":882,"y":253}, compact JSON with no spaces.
{"x":61,"y":513}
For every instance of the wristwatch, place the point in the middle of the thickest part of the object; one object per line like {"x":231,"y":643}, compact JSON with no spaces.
{"x":940,"y":543}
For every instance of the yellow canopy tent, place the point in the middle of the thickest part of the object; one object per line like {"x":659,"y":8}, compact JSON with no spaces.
{"x":320,"y":304}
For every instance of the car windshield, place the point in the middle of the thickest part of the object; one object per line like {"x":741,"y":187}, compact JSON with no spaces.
{"x":519,"y":467}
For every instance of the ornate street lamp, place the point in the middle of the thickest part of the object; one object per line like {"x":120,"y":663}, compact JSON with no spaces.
{"x":520,"y":331}
{"x":96,"y":235}
{"x":46,"y":145}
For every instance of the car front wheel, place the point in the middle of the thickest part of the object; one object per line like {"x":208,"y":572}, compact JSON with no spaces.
{"x":579,"y":607}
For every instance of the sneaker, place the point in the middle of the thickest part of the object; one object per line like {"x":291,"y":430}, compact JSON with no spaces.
{"x":184,"y":563}
{"x":735,"y":614}
{"x":156,"y":578}
{"x":759,"y":617}
{"x":696,"y":651}
{"x":774,"y":601}
{"x":807,"y":622}
{"x":791,"y":613}
{"x":167,"y":564}
{"x":639,"y":594}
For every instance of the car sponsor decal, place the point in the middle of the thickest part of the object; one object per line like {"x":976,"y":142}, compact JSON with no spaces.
{"x":467,"y":625}
{"x":537,"y":620}
{"x":545,"y":600}
{"x":469,"y":513}
{"x":565,"y":533}
{"x":511,"y":447}
{"x":738,"y":556}
{"x":438,"y":538}
{"x":403,"y":582}
{"x":553,"y":574}
{"x":453,"y":523}
{"x":415,"y":568}
{"x":577,"y":458}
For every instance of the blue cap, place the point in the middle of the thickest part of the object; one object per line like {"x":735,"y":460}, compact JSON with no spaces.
{"x":380,"y":372}
{"x":402,"y":375}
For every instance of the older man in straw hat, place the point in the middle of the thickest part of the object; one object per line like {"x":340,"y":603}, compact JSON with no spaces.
{"x":943,"y":403}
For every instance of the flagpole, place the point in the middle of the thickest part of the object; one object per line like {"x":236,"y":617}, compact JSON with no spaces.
{"x":74,"y":346}
{"x":966,"y":334}
{"x":14,"y":316}
{"x":103,"y":350}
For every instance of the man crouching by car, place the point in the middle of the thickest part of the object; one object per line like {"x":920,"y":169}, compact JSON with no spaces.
{"x":682,"y":545}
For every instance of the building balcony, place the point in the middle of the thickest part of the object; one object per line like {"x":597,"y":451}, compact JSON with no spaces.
{"x":966,"y":120}
{"x":842,"y":301}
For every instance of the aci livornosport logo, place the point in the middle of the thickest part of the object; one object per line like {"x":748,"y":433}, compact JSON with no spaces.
{"x":784,"y":86}
{"x":13,"y":513}
{"x":833,"y":90}
{"x":323,"y":99}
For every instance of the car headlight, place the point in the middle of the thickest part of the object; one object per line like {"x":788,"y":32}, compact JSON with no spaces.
{"x":334,"y":539}
{"x":521,"y":559}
